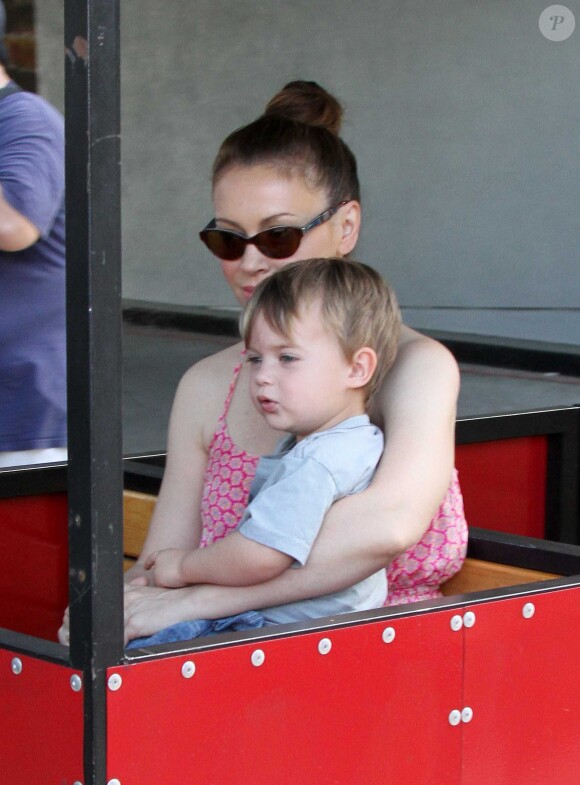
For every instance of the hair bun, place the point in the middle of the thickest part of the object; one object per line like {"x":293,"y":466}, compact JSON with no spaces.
{"x":307,"y":102}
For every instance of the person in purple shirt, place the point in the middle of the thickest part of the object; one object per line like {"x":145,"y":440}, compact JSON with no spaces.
{"x":32,"y":276}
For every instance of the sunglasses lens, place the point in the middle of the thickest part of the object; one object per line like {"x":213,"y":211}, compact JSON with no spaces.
{"x":225,"y":245}
{"x":279,"y":242}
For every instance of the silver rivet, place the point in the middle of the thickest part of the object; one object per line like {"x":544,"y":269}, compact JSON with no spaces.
{"x":324,"y":646}
{"x":258,"y":657}
{"x":114,"y":782}
{"x":76,"y":683}
{"x":389,"y":635}
{"x":16,"y":666}
{"x":114,"y":684}
{"x":469,"y":619}
{"x":77,"y":782}
{"x":467,"y":714}
{"x":188,"y":669}
{"x":456,"y":623}
{"x":454,"y":717}
{"x":528,"y":610}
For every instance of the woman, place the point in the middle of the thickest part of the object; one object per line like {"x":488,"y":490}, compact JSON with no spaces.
{"x":289,"y":184}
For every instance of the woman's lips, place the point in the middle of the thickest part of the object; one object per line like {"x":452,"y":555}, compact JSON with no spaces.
{"x":248,"y":291}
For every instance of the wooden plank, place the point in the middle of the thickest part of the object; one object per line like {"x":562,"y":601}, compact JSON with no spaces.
{"x":478,"y":575}
{"x":137,"y":511}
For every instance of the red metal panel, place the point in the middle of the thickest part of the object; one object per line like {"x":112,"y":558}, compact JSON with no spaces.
{"x":33,"y":564}
{"x":522,"y":682}
{"x":504,"y":484}
{"x":366,"y":712}
{"x":41,"y":725}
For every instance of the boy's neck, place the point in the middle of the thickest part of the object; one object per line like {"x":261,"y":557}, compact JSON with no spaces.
{"x":356,"y":408}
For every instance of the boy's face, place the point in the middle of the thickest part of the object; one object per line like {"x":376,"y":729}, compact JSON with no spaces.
{"x":302,"y":383}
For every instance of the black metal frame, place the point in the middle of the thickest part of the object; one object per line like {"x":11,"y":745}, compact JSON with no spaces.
{"x":95,"y":479}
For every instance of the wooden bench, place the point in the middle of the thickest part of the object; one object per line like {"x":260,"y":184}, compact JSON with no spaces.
{"x":137,"y":511}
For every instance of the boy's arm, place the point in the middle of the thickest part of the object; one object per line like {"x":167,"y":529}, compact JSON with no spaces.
{"x":233,"y":561}
{"x":280,"y":526}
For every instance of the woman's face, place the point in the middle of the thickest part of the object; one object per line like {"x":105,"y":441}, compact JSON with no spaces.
{"x":249,"y":199}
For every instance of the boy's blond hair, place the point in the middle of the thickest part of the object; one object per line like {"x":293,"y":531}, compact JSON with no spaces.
{"x":357,"y":305}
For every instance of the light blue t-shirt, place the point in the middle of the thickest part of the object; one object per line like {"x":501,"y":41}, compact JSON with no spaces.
{"x":291,"y":493}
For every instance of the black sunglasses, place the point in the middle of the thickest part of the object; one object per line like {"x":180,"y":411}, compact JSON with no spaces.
{"x":279,"y":242}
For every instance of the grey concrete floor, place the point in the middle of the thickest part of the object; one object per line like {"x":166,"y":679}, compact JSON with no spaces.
{"x":155,"y":359}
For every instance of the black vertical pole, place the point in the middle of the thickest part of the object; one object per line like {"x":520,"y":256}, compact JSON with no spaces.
{"x":92,"y":116}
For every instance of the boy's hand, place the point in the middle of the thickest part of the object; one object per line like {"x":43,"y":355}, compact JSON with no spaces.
{"x":167,"y":567}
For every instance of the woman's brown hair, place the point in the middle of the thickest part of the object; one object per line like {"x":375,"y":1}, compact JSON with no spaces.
{"x":297,"y":132}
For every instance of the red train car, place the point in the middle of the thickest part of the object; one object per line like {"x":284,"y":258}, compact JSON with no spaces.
{"x":478,"y":687}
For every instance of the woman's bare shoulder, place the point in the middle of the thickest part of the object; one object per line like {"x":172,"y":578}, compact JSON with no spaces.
{"x":419,"y":353}
{"x":424,"y":378}
{"x":209,"y":375}
{"x":201,"y":394}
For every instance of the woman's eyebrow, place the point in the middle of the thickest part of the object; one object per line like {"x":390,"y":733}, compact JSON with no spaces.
{"x":271,"y":220}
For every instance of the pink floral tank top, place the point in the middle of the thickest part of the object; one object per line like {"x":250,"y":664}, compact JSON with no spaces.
{"x":414,"y":575}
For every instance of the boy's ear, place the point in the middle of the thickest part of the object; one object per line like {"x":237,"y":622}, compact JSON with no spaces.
{"x":363,"y":366}
{"x":349,"y":227}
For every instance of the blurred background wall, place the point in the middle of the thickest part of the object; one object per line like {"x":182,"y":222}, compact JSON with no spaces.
{"x":463,"y":116}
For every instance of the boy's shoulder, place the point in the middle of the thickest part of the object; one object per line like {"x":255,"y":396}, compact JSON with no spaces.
{"x":358,"y":431}
{"x":351,"y":448}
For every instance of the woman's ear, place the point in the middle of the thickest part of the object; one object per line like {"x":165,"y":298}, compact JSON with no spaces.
{"x":363,"y":366}
{"x":350,"y":216}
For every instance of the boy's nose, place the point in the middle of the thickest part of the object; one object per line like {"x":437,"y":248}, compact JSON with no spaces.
{"x":263,"y":374}
{"x":262,"y":377}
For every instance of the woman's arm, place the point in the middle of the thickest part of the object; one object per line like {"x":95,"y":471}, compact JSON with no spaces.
{"x":418,"y":408}
{"x":176,"y":520}
{"x":362,"y":533}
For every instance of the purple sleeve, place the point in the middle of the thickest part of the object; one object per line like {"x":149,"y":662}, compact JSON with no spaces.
{"x":32,"y":158}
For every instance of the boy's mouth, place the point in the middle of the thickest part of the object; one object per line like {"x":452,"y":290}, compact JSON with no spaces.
{"x":267,"y":404}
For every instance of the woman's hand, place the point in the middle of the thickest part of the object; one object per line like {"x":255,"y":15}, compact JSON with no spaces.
{"x":149,"y":609}
{"x":64,"y":630}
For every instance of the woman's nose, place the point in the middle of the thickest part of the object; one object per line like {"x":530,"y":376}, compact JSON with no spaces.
{"x":253,"y":261}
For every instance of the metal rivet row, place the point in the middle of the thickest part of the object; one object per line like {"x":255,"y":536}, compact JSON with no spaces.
{"x":456,"y":717}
